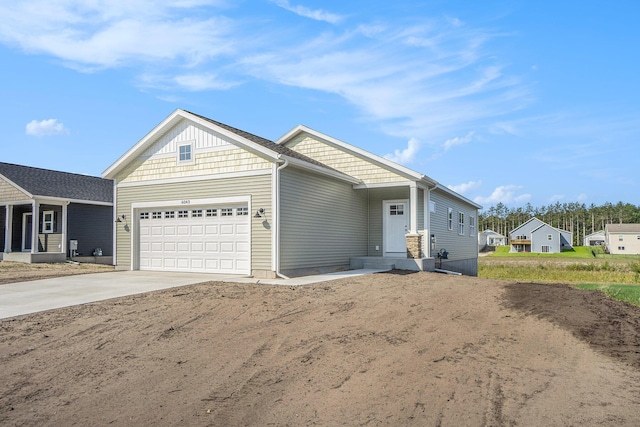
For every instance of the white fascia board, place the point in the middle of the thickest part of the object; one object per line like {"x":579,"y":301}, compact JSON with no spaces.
{"x":16,"y":186}
{"x":319,"y":169}
{"x":454,"y":194}
{"x":359,"y":152}
{"x":170,"y":121}
{"x":60,"y":200}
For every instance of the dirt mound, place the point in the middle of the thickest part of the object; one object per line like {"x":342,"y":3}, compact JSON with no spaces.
{"x":609,"y":326}
{"x":386,"y":349}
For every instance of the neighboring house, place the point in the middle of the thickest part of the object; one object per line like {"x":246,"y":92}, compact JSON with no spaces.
{"x":42,"y":210}
{"x":622,"y":238}
{"x":198,"y":195}
{"x":538,"y":236}
{"x":490,"y":238}
{"x":595,"y":239}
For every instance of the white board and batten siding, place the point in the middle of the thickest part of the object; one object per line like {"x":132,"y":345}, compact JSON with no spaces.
{"x":323,"y":221}
{"x":459,"y":247}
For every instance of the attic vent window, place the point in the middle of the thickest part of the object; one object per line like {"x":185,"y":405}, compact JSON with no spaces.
{"x":185,"y":153}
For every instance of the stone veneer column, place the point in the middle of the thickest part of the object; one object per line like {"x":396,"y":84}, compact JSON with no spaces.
{"x":414,"y":243}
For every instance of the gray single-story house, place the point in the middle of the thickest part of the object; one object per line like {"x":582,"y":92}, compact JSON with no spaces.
{"x":44,"y":213}
{"x":198,"y":195}
{"x":538,"y":236}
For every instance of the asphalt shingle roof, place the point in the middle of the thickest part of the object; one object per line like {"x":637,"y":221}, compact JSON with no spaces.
{"x":623,"y":228}
{"x":46,"y":182}
{"x":280,"y":149}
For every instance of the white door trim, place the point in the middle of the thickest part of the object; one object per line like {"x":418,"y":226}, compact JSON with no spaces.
{"x":385,"y":227}
{"x":24,"y":231}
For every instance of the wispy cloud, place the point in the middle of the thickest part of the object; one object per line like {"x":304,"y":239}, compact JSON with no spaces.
{"x":507,"y":194}
{"x":316,"y":14}
{"x":556,"y":198}
{"x":465,"y":187}
{"x":449,"y":143}
{"x":45,"y":128}
{"x":408,"y":155}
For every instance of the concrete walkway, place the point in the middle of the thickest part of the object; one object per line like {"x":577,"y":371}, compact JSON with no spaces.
{"x":17,"y":299}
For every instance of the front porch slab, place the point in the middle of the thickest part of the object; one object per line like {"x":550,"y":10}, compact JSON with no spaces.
{"x":30,"y":258}
{"x":390,"y":263}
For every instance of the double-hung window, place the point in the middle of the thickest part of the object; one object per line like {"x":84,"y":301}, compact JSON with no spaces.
{"x":450,"y":218}
{"x":461,"y":223}
{"x":48,"y":219}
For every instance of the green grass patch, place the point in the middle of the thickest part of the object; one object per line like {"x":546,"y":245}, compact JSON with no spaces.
{"x":626,"y":293}
{"x":582,"y":252}
{"x":548,"y":272}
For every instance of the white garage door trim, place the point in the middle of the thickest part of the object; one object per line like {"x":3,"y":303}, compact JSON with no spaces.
{"x":195,"y":235}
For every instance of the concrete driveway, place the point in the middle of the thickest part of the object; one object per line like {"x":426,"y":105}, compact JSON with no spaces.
{"x":21,"y":298}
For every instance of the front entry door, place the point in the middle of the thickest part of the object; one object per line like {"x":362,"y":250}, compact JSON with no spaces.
{"x":396,"y":225}
{"x":27,"y":230}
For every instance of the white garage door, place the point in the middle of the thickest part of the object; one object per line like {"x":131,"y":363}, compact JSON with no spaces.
{"x":208,"y":239}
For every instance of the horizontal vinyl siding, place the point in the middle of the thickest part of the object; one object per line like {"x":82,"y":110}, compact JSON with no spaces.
{"x":323,"y":222}
{"x":459,"y":247}
{"x":258,"y":187}
{"x":92,"y":227}
{"x":3,"y":214}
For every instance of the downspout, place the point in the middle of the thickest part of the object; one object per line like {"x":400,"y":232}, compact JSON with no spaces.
{"x":277,"y":242}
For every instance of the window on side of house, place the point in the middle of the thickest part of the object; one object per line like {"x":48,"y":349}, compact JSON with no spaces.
{"x":545,"y":249}
{"x":460,"y":223}
{"x":621,"y":248}
{"x":549,"y":237}
{"x":432,"y":206}
{"x":185,"y":153}
{"x":472,"y":226}
{"x":48,"y":219}
{"x":450,"y":218}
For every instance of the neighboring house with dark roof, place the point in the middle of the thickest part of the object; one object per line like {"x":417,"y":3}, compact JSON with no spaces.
{"x":203,"y":196}
{"x":539,"y":237}
{"x":68,"y":207}
{"x":622,"y":239}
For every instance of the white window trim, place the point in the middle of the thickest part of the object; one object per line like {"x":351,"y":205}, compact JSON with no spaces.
{"x":472,"y":226}
{"x":51,"y":222}
{"x":450,"y":219}
{"x":189,"y":144}
{"x":461,"y":223}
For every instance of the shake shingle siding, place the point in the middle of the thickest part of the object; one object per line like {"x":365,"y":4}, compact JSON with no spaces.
{"x":323,"y":221}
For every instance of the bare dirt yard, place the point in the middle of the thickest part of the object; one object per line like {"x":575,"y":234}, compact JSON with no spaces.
{"x":12,"y":272}
{"x":392,"y":349}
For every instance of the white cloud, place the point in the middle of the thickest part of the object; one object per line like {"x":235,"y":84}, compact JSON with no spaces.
{"x":100,"y":34}
{"x":408,"y":155}
{"x":458,"y":141}
{"x":45,"y":127}
{"x":317,"y":14}
{"x":581,"y":197}
{"x":464,"y":187}
{"x":506,"y":194}
{"x":556,"y":198}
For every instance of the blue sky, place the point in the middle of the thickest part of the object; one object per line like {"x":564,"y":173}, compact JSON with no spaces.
{"x":503,"y":101}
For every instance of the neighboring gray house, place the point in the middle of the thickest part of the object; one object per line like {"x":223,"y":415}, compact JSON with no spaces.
{"x":490,"y":238}
{"x":41,"y":210}
{"x":594,"y":239}
{"x":622,"y":239}
{"x":538,"y":236}
{"x":198,"y":195}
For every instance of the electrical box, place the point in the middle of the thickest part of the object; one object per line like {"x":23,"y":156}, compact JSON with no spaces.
{"x":73,"y":245}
